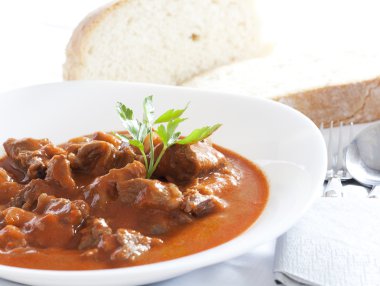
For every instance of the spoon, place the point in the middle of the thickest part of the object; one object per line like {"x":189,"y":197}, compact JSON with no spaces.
{"x":363,"y":159}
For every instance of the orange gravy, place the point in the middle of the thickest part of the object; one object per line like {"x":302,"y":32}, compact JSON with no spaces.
{"x":246,"y":202}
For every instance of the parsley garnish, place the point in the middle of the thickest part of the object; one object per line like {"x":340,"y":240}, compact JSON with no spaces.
{"x":166,"y":130}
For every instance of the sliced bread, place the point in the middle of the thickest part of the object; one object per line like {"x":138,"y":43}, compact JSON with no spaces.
{"x":337,"y":87}
{"x":161,"y":41}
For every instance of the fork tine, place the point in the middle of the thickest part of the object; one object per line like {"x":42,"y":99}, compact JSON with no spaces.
{"x":339,"y":160}
{"x":330,"y":155}
{"x":351,"y":132}
{"x":336,"y":169}
{"x":346,"y":175}
{"x":334,"y":184}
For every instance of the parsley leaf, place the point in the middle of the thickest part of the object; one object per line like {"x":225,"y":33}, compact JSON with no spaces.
{"x":171,"y":114}
{"x":148,"y":116}
{"x":199,"y":134}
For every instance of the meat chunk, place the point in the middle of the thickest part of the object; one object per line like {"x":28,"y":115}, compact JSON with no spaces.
{"x":106,"y":188}
{"x":12,"y":237}
{"x":8,"y":188}
{"x":58,"y":182}
{"x":102,"y":136}
{"x":18,"y":149}
{"x":59,"y":172}
{"x":12,"y":220}
{"x":160,"y":204}
{"x":132,"y":244}
{"x":219,"y":181}
{"x":73,"y":212}
{"x":53,"y":223}
{"x":28,"y":196}
{"x":98,"y":157}
{"x":16,"y":217}
{"x":126,"y":154}
{"x":74,"y":144}
{"x":98,"y":153}
{"x":95,"y":157}
{"x":94,"y":233}
{"x":50,"y":150}
{"x":31,"y":155}
{"x":4,"y":177}
{"x":57,"y":222}
{"x":99,"y":240}
{"x":146,"y":193}
{"x":200,"y":205}
{"x":183,"y":163}
{"x":8,"y":192}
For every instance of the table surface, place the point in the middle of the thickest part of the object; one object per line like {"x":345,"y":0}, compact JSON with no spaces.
{"x":34,"y":35}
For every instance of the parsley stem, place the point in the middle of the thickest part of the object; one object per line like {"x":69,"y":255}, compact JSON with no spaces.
{"x":151,"y":152}
{"x":145,"y":159}
{"x":151,"y":171}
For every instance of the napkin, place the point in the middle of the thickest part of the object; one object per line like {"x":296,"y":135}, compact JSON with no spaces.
{"x":337,"y":242}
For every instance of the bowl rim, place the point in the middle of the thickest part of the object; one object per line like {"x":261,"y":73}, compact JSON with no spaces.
{"x":216,"y":253}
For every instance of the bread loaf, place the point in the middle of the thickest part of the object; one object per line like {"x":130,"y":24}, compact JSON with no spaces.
{"x":337,"y":87}
{"x":160,"y":41}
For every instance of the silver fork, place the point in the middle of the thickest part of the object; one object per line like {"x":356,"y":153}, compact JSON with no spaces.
{"x":336,"y":150}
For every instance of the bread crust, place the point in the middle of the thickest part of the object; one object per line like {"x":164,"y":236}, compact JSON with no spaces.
{"x":164,"y":53}
{"x":338,"y":87}
{"x":77,"y":45}
{"x":357,"y":102}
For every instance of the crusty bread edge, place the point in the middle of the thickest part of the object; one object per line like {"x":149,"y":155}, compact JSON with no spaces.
{"x":356,"y":102}
{"x":76,"y":48}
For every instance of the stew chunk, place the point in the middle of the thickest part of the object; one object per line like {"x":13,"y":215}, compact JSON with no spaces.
{"x":59,"y":172}
{"x":199,"y":205}
{"x":132,"y":244}
{"x":8,"y":188}
{"x":99,"y":240}
{"x":31,"y":155}
{"x":106,"y":188}
{"x":97,"y":157}
{"x":58,"y":220}
{"x":183,"y":163}
{"x":4,"y":177}
{"x":145,"y":193}
{"x":12,"y":237}
{"x":53,"y":223}
{"x":58,"y":182}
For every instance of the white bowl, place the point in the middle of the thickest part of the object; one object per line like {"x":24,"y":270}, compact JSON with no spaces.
{"x":286,"y":144}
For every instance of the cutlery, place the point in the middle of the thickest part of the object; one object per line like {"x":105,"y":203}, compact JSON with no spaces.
{"x":336,"y":168}
{"x":363,"y":159}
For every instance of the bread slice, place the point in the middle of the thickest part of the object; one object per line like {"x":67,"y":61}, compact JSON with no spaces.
{"x":161,"y":41}
{"x":337,"y":87}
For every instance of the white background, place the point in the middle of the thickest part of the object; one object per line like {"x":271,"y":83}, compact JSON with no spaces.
{"x":33,"y":37}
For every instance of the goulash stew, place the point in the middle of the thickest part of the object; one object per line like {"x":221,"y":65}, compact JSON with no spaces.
{"x":89,"y":204}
